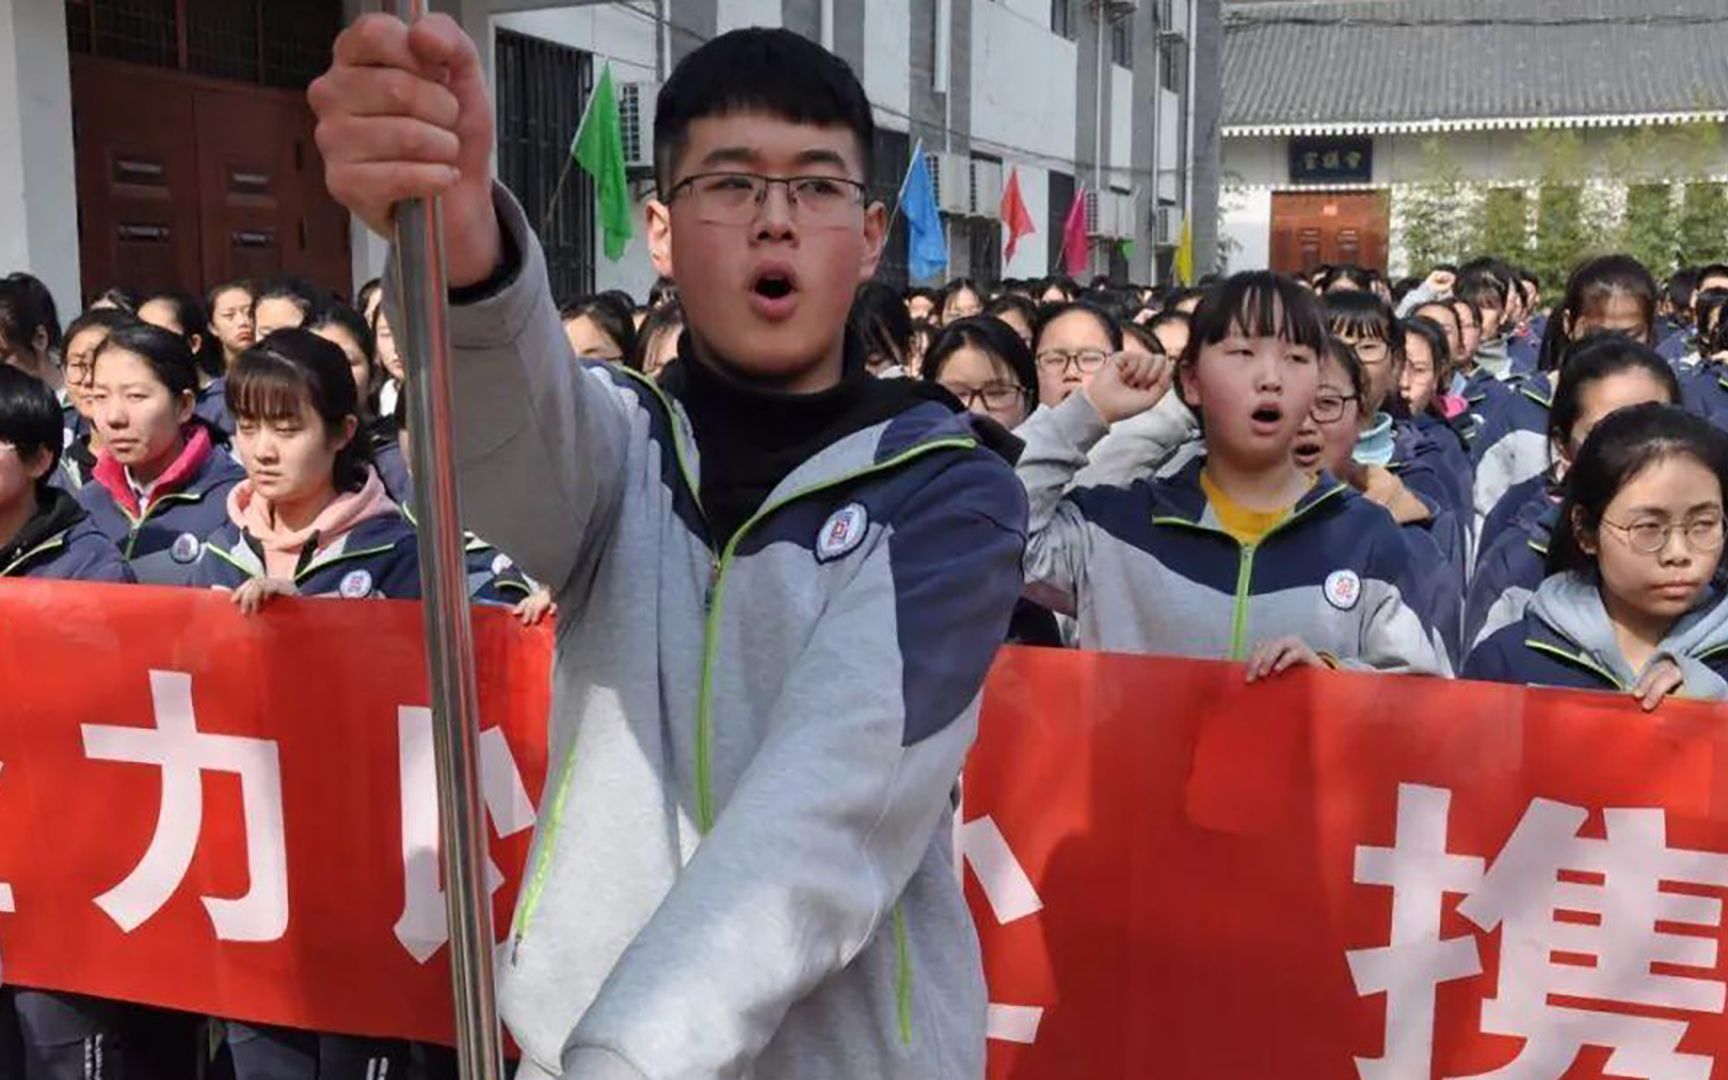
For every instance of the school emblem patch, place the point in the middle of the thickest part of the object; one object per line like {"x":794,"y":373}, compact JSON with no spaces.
{"x":501,"y":564}
{"x":842,"y":532}
{"x":185,"y":549}
{"x":1343,"y":589}
{"x":356,"y":585}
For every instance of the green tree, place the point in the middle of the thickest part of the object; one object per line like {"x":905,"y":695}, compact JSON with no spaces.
{"x":1433,"y":212}
{"x":1703,"y":224}
{"x":1650,"y":229}
{"x":1503,"y":225}
{"x":1560,"y":234}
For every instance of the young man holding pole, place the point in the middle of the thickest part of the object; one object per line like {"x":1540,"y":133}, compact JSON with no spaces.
{"x":781,"y":583}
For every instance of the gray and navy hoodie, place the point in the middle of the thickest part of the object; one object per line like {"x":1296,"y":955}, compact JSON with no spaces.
{"x":378,"y":558}
{"x":1148,"y":569}
{"x":1513,"y":445}
{"x":61,"y":543}
{"x":162,"y":540}
{"x":743,"y":863}
{"x":1565,"y":639}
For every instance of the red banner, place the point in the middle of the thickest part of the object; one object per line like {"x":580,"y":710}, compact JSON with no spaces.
{"x":1189,"y":876}
{"x":238,"y":816}
{"x":1174,"y":874}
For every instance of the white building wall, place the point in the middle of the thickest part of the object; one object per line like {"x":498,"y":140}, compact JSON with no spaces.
{"x":38,"y":196}
{"x":1121,"y":156}
{"x":888,"y":59}
{"x":1023,"y":80}
{"x":627,"y":39}
{"x":733,"y":14}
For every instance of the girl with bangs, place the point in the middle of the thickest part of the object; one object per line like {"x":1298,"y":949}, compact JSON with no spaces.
{"x":312,"y":517}
{"x":1614,"y":292}
{"x":1240,"y":555}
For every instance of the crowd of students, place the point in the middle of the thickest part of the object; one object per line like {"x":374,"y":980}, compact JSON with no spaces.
{"x":1434,"y":477}
{"x":1276,"y":470}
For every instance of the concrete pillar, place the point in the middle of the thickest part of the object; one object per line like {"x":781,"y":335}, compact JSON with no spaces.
{"x":1208,"y":158}
{"x":38,"y":178}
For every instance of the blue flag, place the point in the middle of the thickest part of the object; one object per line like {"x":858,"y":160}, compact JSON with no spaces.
{"x":926,"y":247}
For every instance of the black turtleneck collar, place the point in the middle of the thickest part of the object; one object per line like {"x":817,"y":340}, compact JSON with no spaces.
{"x":751,"y":438}
{"x":56,"y":511}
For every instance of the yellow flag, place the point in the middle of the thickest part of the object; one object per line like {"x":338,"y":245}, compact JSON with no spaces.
{"x":1185,"y":255}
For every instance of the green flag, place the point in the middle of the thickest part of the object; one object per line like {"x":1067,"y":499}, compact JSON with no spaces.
{"x":599,"y":149}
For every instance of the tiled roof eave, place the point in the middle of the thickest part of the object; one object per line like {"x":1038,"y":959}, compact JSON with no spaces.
{"x":1505,"y":123}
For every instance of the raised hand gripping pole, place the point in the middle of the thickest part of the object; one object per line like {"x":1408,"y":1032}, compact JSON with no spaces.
{"x":420,"y":282}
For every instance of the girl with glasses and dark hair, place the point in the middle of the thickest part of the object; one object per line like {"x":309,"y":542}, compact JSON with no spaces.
{"x":1607,"y":373}
{"x":983,"y":363}
{"x":1633,"y":603}
{"x":1070,"y":344}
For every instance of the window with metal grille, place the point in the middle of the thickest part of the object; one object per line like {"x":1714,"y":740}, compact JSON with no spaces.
{"x":892,"y":154}
{"x":1122,"y":41}
{"x":542,"y":88}
{"x":1063,"y":20}
{"x":1173,"y":64}
{"x":283,"y":43}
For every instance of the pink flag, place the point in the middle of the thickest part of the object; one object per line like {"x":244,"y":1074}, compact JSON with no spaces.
{"x":1075,"y":252}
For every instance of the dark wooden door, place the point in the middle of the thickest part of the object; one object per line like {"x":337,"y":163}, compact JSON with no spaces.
{"x":185,"y":181}
{"x":1309,"y":229}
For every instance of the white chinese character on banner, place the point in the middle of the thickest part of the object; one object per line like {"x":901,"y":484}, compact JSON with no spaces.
{"x":1547,"y":869}
{"x":7,"y":907}
{"x":1012,"y":897}
{"x":184,"y":754}
{"x":424,"y":927}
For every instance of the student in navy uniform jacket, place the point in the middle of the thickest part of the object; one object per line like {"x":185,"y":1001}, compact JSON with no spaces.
{"x":160,"y":482}
{"x":44,"y":533}
{"x":83,"y":337}
{"x":1241,"y":555}
{"x":1633,"y":603}
{"x":1706,"y":382}
{"x":184,"y":314}
{"x":1614,"y":292}
{"x":1326,"y":445}
{"x":1605,"y":373}
{"x":312,"y":517}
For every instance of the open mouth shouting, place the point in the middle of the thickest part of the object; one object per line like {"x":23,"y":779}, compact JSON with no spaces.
{"x":1267,"y":419}
{"x":1307,"y":451}
{"x":774,"y":292}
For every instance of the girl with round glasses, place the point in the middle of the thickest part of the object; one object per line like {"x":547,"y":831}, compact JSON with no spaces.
{"x":1633,"y":602}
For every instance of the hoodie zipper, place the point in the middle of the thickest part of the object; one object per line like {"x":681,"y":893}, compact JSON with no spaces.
{"x":1577,"y":658}
{"x":139,"y":522}
{"x":1245,"y":565}
{"x":719,"y":564}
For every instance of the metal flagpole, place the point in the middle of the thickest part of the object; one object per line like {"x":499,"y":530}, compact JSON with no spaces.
{"x":420,"y":283}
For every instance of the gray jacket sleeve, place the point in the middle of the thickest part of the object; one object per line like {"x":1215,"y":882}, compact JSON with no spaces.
{"x":1137,"y":447}
{"x":540,"y":442}
{"x":839,"y":807}
{"x":1058,"y":545}
{"x":1415,"y":298}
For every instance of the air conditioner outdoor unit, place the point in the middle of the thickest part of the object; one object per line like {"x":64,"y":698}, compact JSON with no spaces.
{"x":953,"y":175}
{"x":636,"y":122}
{"x":986,"y":189}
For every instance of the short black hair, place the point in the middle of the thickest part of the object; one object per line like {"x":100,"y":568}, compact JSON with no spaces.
{"x":880,"y":320}
{"x":30,"y":417}
{"x":614,"y":316}
{"x":304,"y":295}
{"x":1597,"y":357}
{"x":770,"y":71}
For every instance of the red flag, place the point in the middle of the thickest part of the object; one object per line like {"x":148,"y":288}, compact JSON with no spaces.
{"x":1015,"y":217}
{"x":1075,"y":253}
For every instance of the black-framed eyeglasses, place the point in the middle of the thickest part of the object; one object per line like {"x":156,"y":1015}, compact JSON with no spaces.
{"x":1329,"y":408}
{"x":1056,"y":361}
{"x":996,"y":396}
{"x":735,"y":198}
{"x":1703,"y":534}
